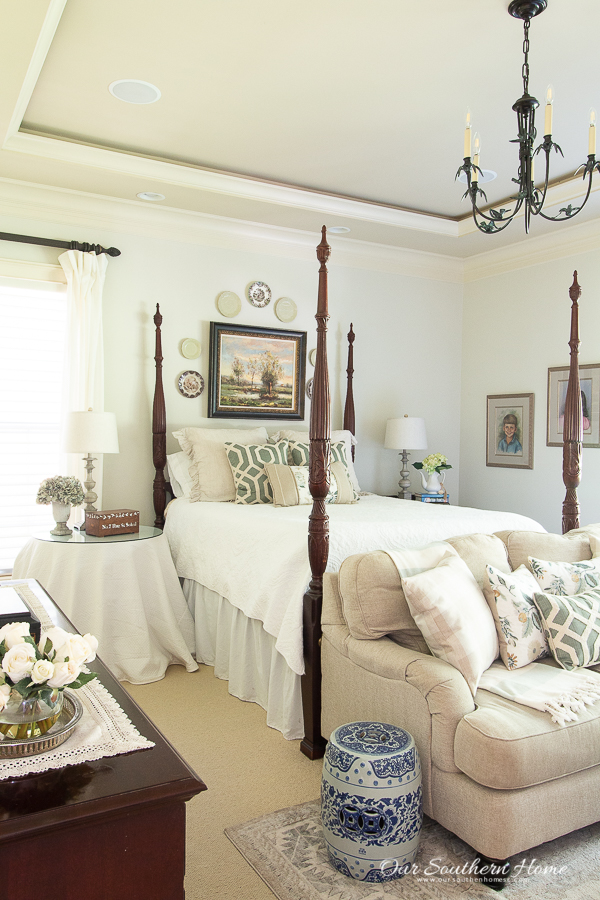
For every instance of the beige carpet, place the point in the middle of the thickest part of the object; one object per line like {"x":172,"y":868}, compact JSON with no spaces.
{"x":287,"y":850}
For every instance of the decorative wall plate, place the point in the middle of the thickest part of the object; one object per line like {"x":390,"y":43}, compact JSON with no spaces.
{"x":309,"y":388}
{"x":190,"y":348}
{"x":312,"y":356}
{"x":190,"y":384}
{"x":285,"y":309}
{"x":259,"y":293}
{"x":228,"y":304}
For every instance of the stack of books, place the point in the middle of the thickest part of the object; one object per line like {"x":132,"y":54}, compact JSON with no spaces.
{"x":432,"y":498}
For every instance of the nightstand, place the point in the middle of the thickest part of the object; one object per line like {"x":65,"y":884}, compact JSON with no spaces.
{"x":124,"y":590}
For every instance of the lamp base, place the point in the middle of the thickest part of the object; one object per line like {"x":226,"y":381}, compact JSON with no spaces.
{"x":404,"y":491}
{"x":90,"y":496}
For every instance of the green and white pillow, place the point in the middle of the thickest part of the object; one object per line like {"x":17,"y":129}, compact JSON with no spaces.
{"x":299,"y":453}
{"x":247,"y":463}
{"x":518,"y":623}
{"x":566,"y":579}
{"x":572,"y":627}
{"x":290,"y":486}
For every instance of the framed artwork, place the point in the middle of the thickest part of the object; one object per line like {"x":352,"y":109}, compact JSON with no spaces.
{"x":256,"y":373}
{"x":509,"y":441}
{"x":558,"y":379}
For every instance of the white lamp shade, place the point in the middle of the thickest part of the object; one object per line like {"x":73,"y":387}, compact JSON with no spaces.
{"x":407,"y":433}
{"x":91,"y":432}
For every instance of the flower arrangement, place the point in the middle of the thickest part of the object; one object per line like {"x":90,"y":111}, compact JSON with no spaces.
{"x":435,"y":462}
{"x":60,"y":489}
{"x":34,"y":671}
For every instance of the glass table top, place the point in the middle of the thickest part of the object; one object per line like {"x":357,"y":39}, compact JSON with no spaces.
{"x":80,"y":537}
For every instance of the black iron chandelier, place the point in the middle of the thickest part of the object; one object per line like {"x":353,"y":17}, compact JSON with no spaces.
{"x":529,"y":197}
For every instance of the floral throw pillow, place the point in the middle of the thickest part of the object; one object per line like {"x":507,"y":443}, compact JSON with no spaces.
{"x":518,"y":622}
{"x":566,"y":579}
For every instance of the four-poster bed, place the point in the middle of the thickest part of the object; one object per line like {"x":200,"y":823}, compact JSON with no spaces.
{"x":212,"y":581}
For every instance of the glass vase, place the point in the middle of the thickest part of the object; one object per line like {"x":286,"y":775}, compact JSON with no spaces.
{"x":24,"y":719}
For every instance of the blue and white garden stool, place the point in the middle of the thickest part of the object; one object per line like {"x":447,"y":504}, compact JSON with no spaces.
{"x":371,"y":800}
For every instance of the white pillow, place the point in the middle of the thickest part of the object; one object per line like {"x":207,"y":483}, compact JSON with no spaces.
{"x":454,"y":618}
{"x":208,"y":465}
{"x":566,"y":579}
{"x":178,"y":470}
{"x":518,"y":622}
{"x":346,"y":436}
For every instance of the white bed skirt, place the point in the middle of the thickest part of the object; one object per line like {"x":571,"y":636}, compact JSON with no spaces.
{"x":244,"y":655}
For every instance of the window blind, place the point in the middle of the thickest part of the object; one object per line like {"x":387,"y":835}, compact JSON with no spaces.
{"x":32,"y":350}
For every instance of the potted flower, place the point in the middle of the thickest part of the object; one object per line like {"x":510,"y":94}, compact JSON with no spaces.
{"x":63,"y":492}
{"x":433,"y":465}
{"x":34,"y":676}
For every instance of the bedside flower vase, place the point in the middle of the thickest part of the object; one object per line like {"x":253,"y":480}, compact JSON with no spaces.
{"x":24,"y":719}
{"x":60,"y":514}
{"x":432,"y":481}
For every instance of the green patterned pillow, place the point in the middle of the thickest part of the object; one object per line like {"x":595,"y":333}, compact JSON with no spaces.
{"x":247,"y":463}
{"x":299,"y":453}
{"x":564,"y":578}
{"x":572,"y":627}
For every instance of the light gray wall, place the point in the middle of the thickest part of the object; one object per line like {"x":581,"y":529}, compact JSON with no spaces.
{"x":516,"y":326}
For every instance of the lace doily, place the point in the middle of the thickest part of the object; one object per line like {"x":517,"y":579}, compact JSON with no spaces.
{"x":104,"y":728}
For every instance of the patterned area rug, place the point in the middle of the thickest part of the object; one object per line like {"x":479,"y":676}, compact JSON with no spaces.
{"x":287,"y":850}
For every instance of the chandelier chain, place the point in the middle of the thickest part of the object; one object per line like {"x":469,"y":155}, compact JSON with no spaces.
{"x":525,"y":70}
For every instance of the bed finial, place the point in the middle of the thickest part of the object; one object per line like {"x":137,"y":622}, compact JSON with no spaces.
{"x":349,"y":417}
{"x":159,"y":430}
{"x":573,"y":421}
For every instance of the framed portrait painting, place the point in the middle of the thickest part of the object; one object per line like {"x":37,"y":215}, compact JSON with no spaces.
{"x":510,"y":431}
{"x":589,"y":381}
{"x":256,"y":373}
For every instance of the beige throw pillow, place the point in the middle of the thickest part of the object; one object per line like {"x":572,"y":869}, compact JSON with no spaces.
{"x":450,"y":609}
{"x":209,"y":468}
{"x":290,"y":485}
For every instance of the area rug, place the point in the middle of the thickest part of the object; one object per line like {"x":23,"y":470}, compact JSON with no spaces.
{"x":287,"y":850}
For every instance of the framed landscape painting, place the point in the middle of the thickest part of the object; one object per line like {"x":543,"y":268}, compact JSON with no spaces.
{"x":509,"y":440}
{"x":256,"y":373}
{"x":589,"y":381}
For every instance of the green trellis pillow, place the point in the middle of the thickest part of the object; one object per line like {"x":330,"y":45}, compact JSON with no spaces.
{"x":299,"y":453}
{"x":520,"y":634}
{"x":572,"y":627}
{"x":247,"y":463}
{"x":566,"y":579}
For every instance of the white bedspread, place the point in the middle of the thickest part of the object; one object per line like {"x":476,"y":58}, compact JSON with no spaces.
{"x":257,"y":556}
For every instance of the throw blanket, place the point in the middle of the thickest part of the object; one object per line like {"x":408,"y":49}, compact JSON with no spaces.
{"x":558,"y":692}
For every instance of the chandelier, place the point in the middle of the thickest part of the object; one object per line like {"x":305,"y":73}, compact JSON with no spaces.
{"x":529,"y":197}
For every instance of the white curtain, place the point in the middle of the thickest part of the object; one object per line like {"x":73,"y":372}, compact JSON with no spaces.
{"x":84,"y":369}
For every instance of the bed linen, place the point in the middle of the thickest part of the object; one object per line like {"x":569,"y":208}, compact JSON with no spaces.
{"x":256,"y":556}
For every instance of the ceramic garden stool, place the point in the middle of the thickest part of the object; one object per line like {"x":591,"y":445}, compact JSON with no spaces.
{"x":371,"y":800}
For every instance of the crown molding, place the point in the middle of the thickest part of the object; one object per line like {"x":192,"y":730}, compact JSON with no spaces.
{"x":94,"y":214}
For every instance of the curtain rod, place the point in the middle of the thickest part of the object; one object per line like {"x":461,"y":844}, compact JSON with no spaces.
{"x":65,"y":245}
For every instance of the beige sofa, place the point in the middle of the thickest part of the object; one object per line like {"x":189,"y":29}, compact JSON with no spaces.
{"x":501,"y":776}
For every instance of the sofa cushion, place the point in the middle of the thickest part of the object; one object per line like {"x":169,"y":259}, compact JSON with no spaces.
{"x":507,"y":746}
{"x":518,"y":623}
{"x":451,"y":611}
{"x":572,"y":627}
{"x":479,"y":551}
{"x":520,"y":545}
{"x":373,"y":600}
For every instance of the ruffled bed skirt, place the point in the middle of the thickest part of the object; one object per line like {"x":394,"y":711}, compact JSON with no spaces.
{"x":243,"y":654}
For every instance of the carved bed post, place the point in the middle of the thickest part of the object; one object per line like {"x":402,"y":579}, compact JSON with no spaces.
{"x":349,"y":420}
{"x":313,"y":744}
{"x":573,"y":421}
{"x":159,"y":430}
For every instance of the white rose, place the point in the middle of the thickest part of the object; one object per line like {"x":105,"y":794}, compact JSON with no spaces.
{"x":64,"y":673}
{"x":57,"y":635}
{"x":4,"y":695}
{"x":13,"y":633}
{"x":42,"y":671}
{"x":92,"y":643}
{"x":18,"y":661}
{"x":76,"y":649}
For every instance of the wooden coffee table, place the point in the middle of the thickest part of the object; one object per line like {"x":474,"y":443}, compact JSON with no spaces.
{"x":110,"y":829}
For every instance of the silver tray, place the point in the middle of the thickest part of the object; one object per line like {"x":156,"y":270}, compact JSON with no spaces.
{"x":70,"y":714}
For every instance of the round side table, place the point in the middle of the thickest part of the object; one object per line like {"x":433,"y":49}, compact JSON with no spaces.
{"x":371,"y":800}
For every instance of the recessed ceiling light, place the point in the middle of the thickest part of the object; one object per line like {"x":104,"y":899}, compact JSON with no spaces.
{"x":486,"y":175}
{"x":338,"y":229}
{"x":133,"y":91}
{"x":150,"y":195}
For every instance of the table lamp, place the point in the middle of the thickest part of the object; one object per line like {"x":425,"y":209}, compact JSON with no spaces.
{"x":91,"y":432}
{"x":405,"y":434}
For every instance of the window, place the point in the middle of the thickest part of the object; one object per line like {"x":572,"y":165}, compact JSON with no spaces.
{"x":32,"y":352}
